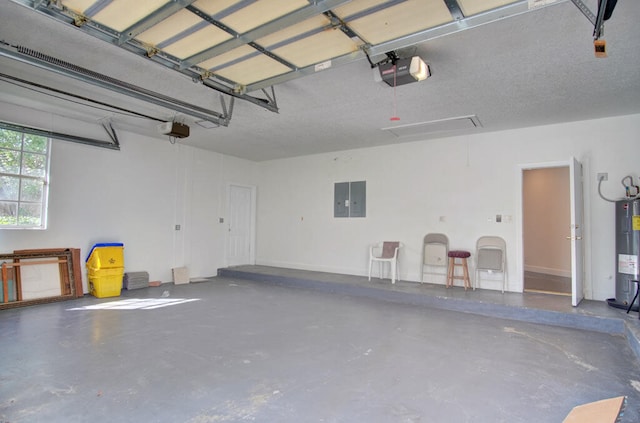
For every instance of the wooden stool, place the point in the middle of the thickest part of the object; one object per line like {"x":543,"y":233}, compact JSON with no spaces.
{"x":451,"y":275}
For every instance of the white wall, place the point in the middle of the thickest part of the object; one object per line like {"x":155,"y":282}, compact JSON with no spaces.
{"x":136,"y":196}
{"x":464,"y":181}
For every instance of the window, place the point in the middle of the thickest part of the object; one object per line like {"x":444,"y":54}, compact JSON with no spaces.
{"x":24,"y":174}
{"x":350,"y":199}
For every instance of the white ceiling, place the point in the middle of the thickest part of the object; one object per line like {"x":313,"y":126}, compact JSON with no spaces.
{"x":535,"y":68}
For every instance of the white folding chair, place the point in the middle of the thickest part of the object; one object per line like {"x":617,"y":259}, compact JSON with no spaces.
{"x":435,"y":250}
{"x":491,"y":257}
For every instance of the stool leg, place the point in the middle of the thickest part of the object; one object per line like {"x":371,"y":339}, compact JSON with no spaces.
{"x":466,"y":274}
{"x":450,"y":272}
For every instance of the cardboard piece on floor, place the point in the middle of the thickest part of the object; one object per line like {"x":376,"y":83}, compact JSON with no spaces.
{"x":604,"y":411}
{"x":180,"y":275}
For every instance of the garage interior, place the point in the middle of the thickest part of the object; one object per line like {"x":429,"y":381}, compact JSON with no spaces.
{"x":210,"y":138}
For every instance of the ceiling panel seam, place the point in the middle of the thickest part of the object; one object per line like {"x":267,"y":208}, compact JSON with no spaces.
{"x":210,"y":20}
{"x":232,"y":9}
{"x":371,"y":10}
{"x":183,"y":34}
{"x":153,"y":19}
{"x":307,"y":70}
{"x":97,"y":7}
{"x":299,"y":37}
{"x":273,"y":56}
{"x":259,"y":51}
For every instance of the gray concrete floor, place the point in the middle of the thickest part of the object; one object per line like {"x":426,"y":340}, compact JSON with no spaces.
{"x":266,"y":352}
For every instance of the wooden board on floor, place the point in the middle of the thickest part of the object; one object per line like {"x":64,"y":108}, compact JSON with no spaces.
{"x":604,"y":411}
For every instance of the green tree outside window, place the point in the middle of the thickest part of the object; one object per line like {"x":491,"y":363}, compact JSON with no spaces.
{"x":24,"y":171}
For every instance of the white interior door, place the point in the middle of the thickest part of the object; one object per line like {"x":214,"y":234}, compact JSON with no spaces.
{"x":577,"y":245}
{"x":240,"y":225}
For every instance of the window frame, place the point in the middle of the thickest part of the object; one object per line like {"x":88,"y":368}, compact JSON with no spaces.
{"x":45,"y":180}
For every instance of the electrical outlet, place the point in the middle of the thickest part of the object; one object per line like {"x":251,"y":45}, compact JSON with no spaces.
{"x":602,"y":177}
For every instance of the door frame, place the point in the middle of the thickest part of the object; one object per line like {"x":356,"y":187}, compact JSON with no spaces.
{"x":520,"y":221}
{"x":576,"y":172}
{"x":252,"y":229}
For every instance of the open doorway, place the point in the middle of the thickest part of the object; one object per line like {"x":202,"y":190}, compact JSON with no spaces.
{"x":546,"y":214}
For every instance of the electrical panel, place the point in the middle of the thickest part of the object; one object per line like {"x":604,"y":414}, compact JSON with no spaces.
{"x":350,"y":199}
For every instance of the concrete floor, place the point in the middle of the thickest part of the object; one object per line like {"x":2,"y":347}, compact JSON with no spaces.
{"x":261,"y":351}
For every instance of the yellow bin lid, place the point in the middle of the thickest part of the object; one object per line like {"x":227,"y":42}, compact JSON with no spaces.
{"x":106,"y":255}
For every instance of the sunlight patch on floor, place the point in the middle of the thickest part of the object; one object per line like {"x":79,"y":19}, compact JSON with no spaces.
{"x":137,"y":304}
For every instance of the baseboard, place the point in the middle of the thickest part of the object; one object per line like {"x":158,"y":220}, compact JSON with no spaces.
{"x":548,"y":271}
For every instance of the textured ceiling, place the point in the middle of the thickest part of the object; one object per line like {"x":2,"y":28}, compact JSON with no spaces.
{"x":529,"y":69}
